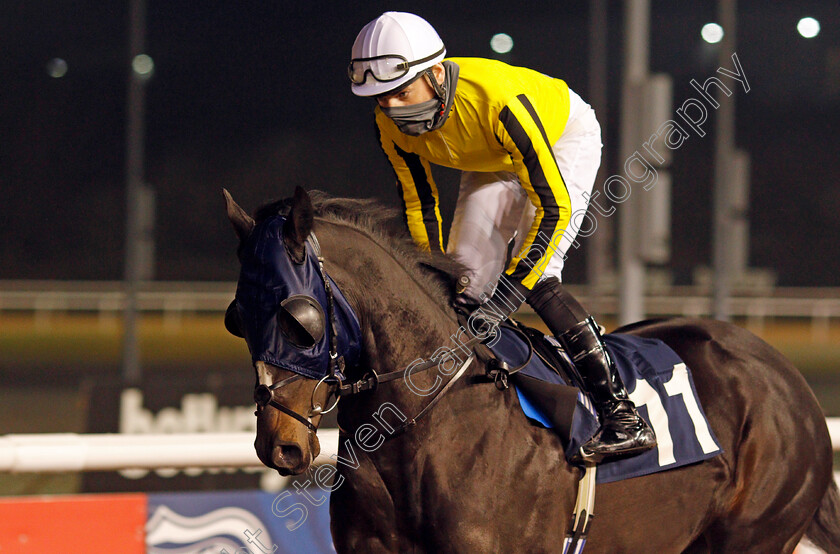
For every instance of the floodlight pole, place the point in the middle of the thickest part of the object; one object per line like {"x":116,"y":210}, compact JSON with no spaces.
{"x":636,"y":52}
{"x":724,"y":153}
{"x":138,"y":197}
{"x":598,"y":256}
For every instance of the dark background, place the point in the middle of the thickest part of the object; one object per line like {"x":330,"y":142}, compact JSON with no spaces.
{"x":253,"y":96}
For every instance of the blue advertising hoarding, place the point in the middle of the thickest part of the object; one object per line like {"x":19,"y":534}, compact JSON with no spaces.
{"x":237,"y":522}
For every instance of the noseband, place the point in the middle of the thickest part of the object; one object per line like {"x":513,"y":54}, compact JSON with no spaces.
{"x":264,"y":396}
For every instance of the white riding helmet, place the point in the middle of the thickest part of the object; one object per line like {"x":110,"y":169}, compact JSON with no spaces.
{"x":392,"y":50}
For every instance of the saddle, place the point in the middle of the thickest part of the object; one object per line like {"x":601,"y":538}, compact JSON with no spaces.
{"x":545,"y":379}
{"x":547,"y":386}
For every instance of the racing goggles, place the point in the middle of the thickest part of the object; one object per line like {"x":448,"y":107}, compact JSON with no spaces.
{"x":384,"y":69}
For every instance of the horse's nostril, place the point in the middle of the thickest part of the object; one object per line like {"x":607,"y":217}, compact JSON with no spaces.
{"x":287,"y":456}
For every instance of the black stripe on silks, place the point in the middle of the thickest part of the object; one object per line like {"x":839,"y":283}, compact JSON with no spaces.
{"x":396,"y":177}
{"x":424,"y":192}
{"x":533,"y":112}
{"x":551,"y":212}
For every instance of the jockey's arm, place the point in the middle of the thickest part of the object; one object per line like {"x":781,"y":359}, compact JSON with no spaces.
{"x":522,"y":134}
{"x":418,"y":193}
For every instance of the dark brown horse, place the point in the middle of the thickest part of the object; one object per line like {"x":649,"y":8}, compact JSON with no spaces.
{"x":474,"y":475}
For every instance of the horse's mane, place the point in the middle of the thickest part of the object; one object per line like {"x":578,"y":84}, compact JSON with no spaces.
{"x":436,"y":271}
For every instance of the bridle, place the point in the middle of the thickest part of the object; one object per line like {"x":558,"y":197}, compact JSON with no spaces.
{"x":264,"y":395}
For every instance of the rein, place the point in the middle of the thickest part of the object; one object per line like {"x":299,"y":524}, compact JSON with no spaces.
{"x":496,"y":370}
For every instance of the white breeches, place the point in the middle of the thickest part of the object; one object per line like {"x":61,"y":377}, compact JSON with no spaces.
{"x":493,"y":209}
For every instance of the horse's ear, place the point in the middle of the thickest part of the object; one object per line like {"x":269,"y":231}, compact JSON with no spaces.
{"x":298,"y":225}
{"x":243,"y":224}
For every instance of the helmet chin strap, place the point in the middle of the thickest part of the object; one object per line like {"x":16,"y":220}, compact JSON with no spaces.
{"x":440,"y":89}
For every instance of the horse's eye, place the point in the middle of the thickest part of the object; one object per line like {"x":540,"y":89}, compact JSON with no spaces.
{"x":301,"y":320}
{"x":233,"y":320}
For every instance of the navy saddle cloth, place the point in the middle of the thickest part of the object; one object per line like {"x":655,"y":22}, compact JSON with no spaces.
{"x":657,"y":380}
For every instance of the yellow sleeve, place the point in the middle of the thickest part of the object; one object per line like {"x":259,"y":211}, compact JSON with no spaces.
{"x":418,"y":193}
{"x":522,"y":134}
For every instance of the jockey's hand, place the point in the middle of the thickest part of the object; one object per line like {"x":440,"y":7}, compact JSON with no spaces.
{"x":486,"y":316}
{"x":508,"y":296}
{"x":464,"y":301}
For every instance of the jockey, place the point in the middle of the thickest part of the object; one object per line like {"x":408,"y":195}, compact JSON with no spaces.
{"x":529,"y":149}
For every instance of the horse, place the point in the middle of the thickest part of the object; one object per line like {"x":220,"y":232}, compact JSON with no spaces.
{"x":474,"y":474}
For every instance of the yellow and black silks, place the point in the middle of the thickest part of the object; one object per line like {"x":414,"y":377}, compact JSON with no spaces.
{"x":503,"y":118}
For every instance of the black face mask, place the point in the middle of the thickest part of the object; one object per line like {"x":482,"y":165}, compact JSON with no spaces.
{"x":430,"y":115}
{"x":416,"y":119}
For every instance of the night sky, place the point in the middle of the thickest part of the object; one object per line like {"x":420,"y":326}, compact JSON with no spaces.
{"x":253,"y":96}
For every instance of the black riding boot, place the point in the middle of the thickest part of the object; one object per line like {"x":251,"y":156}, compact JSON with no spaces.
{"x":622,"y":432}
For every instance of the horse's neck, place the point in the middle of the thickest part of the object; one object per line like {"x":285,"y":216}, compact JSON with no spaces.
{"x":469,"y":443}
{"x":469,"y":416}
{"x":402,"y":320}
{"x":403,"y":323}
{"x":399,"y":335}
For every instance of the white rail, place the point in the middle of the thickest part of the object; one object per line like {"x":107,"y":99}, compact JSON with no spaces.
{"x":110,"y":297}
{"x":68,"y":452}
{"x":818,"y":304}
{"x":833,"y":424}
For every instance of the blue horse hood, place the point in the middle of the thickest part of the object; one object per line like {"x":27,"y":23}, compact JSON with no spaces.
{"x":267,"y":277}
